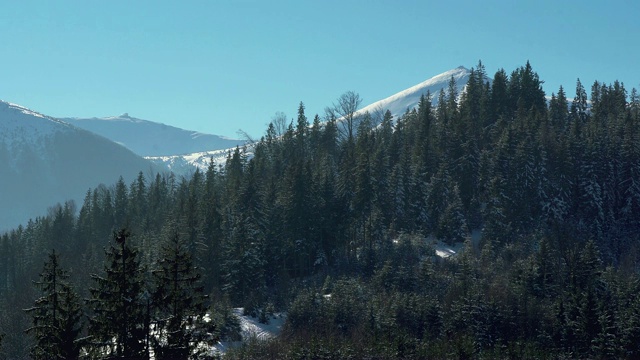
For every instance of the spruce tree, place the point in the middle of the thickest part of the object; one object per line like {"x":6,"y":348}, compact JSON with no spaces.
{"x":121,"y":204}
{"x":244,"y":250}
{"x":117,"y":327}
{"x":56,"y":315}
{"x":452,"y":225}
{"x":211,"y":223}
{"x":180,"y":302}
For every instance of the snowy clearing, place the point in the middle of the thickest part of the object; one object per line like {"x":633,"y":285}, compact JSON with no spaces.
{"x":251,"y":328}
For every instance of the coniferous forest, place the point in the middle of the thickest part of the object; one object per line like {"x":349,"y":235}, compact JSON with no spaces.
{"x":331,"y":220}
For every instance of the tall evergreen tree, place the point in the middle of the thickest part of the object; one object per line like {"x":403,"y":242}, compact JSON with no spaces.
{"x":138,"y":203}
{"x":579,"y":105}
{"x":121,"y":204}
{"x":211,"y":223}
{"x":56,"y":315}
{"x":117,"y":327}
{"x":180,"y":302}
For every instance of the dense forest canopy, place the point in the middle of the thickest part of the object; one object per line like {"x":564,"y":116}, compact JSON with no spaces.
{"x":348,"y":205}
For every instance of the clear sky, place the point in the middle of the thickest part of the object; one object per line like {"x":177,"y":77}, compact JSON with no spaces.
{"x":219,"y":66}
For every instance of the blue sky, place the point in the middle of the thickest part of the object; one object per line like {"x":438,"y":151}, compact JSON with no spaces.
{"x":220,"y":66}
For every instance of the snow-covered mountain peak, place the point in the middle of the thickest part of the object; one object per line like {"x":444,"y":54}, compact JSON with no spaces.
{"x":20,"y":111}
{"x":19,"y":108}
{"x":409,"y":98}
{"x":397,"y":104}
{"x":44,"y":160}
{"x":125,"y":117}
{"x":20,"y":125}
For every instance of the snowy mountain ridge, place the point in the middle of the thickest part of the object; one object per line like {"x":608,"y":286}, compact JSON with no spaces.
{"x":409,"y":98}
{"x":20,"y":125}
{"x":187,"y":163}
{"x":397,"y":104}
{"x":148,"y":138}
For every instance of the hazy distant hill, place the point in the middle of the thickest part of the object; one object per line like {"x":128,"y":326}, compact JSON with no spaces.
{"x":148,"y":138}
{"x":44,"y":161}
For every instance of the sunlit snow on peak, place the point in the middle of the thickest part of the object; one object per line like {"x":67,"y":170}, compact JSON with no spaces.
{"x":408,"y":99}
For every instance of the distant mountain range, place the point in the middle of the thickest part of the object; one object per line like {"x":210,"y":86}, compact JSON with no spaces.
{"x":44,"y":160}
{"x":148,"y":138}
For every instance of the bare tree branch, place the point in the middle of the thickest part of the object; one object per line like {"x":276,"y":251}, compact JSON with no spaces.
{"x":344,"y":110}
{"x":245,"y":136}
{"x":279,"y":121}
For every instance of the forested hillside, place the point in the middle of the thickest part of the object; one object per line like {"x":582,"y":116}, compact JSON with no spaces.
{"x":331,"y":221}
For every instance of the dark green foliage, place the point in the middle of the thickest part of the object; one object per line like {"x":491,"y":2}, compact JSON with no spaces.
{"x":119,"y":325}
{"x":179,"y":303}
{"x":56,"y":316}
{"x":550,"y":192}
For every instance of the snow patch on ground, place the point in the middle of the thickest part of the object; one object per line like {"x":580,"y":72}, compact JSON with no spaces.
{"x":251,"y":328}
{"x":188,"y":163}
{"x":445,"y":250}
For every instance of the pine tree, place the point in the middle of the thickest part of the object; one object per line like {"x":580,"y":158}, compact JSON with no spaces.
{"x":243,"y":265}
{"x":180,"y":302}
{"x":630,"y":322}
{"x":452,"y":226}
{"x":579,"y":105}
{"x":499,"y":97}
{"x":56,"y":315}
{"x":138,"y":203}
{"x":117,"y":327}
{"x":363,"y":190}
{"x":5,"y":258}
{"x":559,"y":110}
{"x":212,"y":219}
{"x":121,"y":204}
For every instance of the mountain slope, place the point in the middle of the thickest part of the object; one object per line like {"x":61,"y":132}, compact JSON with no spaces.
{"x":148,"y":138}
{"x":409,"y":98}
{"x":187,"y":163}
{"x":44,"y":161}
{"x":397,"y":104}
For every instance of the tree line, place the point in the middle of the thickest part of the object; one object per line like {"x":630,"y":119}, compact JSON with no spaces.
{"x":130,"y":316}
{"x":551,"y":185}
